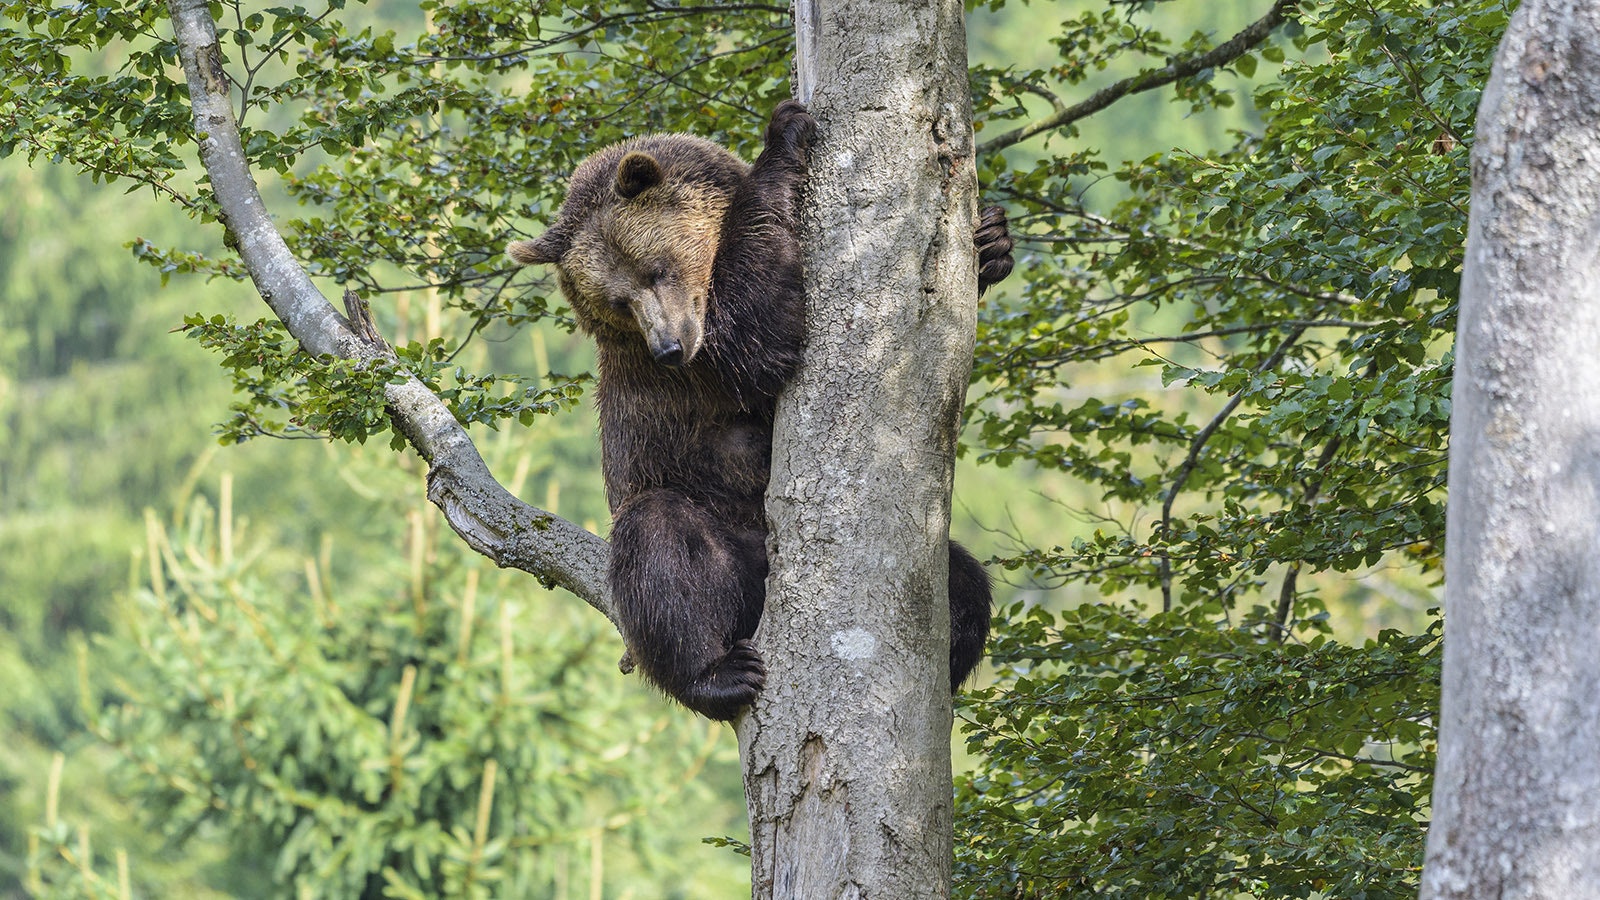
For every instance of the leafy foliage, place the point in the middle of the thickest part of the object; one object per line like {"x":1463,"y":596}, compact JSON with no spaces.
{"x":1299,"y":289}
{"x":1306,"y":278}
{"x":126,"y":124}
{"x":1170,"y":756}
{"x":339,"y":398}
{"x":419,"y":741}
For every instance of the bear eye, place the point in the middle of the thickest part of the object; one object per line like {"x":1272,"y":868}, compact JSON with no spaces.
{"x":619,"y":303}
{"x":657,"y":274}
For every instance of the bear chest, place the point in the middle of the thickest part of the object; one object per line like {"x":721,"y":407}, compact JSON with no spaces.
{"x":683,"y":434}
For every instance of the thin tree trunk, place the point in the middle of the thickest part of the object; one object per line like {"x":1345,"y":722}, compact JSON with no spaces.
{"x":1515,"y":804}
{"x":847,"y":753}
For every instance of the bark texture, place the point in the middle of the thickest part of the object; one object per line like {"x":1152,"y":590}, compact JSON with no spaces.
{"x":1515,"y":813}
{"x":847,"y":752}
{"x":484,"y":513}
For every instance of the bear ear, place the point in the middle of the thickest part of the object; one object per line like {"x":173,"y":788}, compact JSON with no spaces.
{"x":546,"y":248}
{"x":637,"y":173}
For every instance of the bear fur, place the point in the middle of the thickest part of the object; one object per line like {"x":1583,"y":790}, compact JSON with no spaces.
{"x":683,"y":263}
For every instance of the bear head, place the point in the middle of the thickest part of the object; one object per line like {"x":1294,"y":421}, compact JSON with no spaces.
{"x":636,"y":241}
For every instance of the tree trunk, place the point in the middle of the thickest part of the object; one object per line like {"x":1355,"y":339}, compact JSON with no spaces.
{"x":1515,"y":811}
{"x":847,"y":753}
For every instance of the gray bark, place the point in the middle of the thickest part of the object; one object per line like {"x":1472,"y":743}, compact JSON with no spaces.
{"x":1515,"y":809}
{"x":847,"y":753}
{"x":484,"y":513}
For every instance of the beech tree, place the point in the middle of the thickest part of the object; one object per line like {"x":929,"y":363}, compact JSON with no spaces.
{"x":1519,"y":739}
{"x":852,"y":798}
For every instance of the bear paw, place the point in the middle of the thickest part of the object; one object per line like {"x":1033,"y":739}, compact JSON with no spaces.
{"x":792,"y":128}
{"x":994,"y":244}
{"x":730,"y":685}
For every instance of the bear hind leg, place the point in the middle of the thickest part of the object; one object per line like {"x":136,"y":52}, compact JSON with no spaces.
{"x":729,"y":685}
{"x":971,"y":601}
{"x":689,"y":589}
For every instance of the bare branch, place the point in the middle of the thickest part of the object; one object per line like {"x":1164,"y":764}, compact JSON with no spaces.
{"x":485,"y":514}
{"x":1222,"y":54}
{"x":1106,"y":349}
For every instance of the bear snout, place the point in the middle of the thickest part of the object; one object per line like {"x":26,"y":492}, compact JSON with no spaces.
{"x":668,"y":353}
{"x":670,"y":327}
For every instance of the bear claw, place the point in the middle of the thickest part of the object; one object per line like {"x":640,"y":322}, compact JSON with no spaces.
{"x":791,"y":128}
{"x":994,"y":244}
{"x":731,"y":684}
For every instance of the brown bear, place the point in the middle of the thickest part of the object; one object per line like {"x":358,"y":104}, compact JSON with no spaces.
{"x":683,"y":263}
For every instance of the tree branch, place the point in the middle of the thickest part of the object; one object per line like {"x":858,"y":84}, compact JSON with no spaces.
{"x":483,"y":513}
{"x":1192,"y":460}
{"x":1291,"y":578}
{"x":1222,"y":54}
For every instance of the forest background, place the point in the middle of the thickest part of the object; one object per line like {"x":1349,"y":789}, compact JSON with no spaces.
{"x":127,"y":531}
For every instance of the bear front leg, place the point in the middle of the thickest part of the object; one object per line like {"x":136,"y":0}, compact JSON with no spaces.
{"x":790,"y":132}
{"x":688,"y":589}
{"x":970,"y":610}
{"x":759,"y":314}
{"x":780,"y":170}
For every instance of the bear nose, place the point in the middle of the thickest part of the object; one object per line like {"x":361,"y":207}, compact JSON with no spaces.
{"x":669,"y":353}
